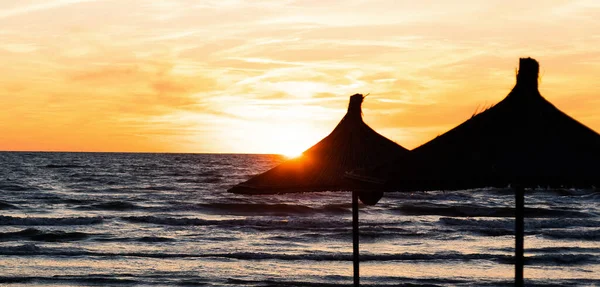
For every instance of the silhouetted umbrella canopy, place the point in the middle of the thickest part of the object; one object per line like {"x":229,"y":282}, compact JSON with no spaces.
{"x":522,"y":140}
{"x":351,"y":145}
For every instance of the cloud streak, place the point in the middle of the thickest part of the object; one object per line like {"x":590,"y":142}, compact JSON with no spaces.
{"x":21,"y":10}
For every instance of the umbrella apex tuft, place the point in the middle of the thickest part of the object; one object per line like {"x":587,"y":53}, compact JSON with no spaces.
{"x":529,"y":70}
{"x":354,"y":107}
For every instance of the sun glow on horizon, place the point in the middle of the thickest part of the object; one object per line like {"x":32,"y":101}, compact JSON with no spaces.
{"x":287,"y":140}
{"x":290,"y":150}
{"x":292,"y":154}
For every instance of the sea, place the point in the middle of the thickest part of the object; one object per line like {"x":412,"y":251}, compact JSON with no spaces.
{"x":134,"y":219}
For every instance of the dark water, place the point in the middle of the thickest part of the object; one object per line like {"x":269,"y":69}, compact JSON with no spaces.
{"x":94,"y":219}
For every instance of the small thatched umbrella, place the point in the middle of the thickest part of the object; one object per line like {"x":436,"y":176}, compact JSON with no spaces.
{"x":352,"y":145}
{"x":523,"y":141}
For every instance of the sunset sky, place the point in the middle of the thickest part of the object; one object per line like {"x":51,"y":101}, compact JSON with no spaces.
{"x":275,"y":76}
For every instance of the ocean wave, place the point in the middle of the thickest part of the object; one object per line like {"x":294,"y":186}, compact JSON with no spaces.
{"x":562,"y":259}
{"x":574,"y":229}
{"x":158,"y":278}
{"x":253,"y":223}
{"x":423,"y":208}
{"x":40,"y":235}
{"x":553,"y":250}
{"x":91,"y":279}
{"x":211,"y":179}
{"x":68,"y":200}
{"x":579,"y":234}
{"x":365,"y":235}
{"x":374,"y":281}
{"x":145,"y":239}
{"x":45,"y":221}
{"x":179,"y":173}
{"x":159,"y":187}
{"x":529,"y":223}
{"x":210,"y":172}
{"x":331,"y":226}
{"x":430,"y":196}
{"x":33,"y":250}
{"x":151,"y":239}
{"x":592,"y":196}
{"x":52,"y":165}
{"x":492,"y":231}
{"x":6,"y":205}
{"x":91,"y":179}
{"x":263,"y":224}
{"x":13,"y":187}
{"x":111,"y":205}
{"x":564,"y":192}
{"x":174,"y":221}
{"x":271,"y":209}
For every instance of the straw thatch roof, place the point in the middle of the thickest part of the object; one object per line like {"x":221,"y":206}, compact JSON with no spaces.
{"x":351,"y":145}
{"x":523,"y":140}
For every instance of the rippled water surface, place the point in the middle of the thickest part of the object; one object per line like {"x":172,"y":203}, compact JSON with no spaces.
{"x":72,"y":219}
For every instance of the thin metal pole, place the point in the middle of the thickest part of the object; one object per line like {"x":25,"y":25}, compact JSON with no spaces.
{"x":519,"y":234}
{"x":355,"y":238}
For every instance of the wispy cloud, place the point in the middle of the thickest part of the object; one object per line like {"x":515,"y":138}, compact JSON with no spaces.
{"x":19,"y":10}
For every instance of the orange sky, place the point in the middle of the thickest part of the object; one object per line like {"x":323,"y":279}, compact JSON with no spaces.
{"x":274,"y":76}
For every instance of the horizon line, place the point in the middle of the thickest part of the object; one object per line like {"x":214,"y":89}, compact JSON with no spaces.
{"x":134,"y":152}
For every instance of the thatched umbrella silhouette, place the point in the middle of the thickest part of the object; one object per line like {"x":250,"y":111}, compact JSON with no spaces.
{"x":352,"y":145}
{"x":523,"y":141}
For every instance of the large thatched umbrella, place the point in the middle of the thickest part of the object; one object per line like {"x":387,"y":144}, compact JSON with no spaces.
{"x":352,"y":145}
{"x":523,"y":141}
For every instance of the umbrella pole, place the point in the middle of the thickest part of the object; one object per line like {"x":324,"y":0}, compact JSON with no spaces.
{"x":355,"y":238}
{"x":519,"y":234}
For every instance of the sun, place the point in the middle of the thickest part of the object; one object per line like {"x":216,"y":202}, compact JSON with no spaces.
{"x":291,"y":154}
{"x":290,"y":143}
